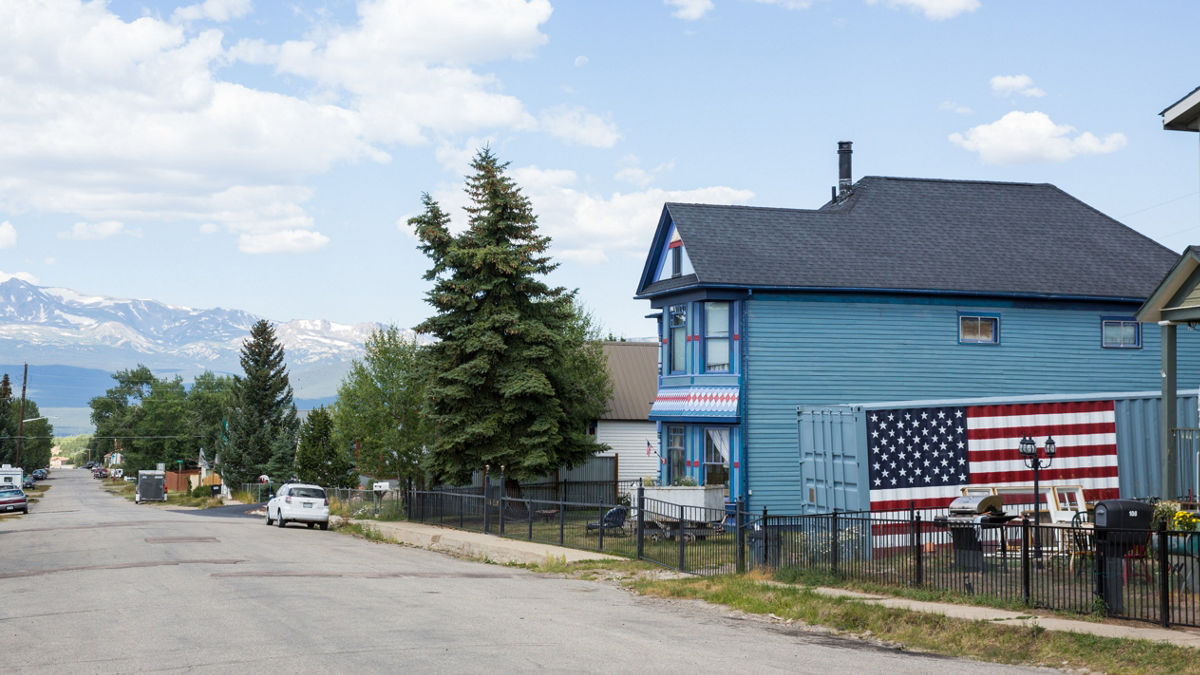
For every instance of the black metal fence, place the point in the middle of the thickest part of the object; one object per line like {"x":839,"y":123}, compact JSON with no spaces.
{"x":1132,"y":574}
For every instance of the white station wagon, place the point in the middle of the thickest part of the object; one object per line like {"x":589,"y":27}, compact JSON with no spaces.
{"x":299,"y":503}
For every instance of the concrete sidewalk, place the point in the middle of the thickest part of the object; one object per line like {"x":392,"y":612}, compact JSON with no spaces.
{"x":478,"y":545}
{"x":502,"y":550}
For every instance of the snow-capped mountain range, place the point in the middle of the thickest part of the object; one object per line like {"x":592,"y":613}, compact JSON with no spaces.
{"x":59,"y":326}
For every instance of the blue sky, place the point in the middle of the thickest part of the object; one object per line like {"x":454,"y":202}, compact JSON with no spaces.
{"x":265,"y":155}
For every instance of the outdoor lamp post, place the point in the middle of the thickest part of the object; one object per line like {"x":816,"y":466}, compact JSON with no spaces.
{"x":1028,"y":449}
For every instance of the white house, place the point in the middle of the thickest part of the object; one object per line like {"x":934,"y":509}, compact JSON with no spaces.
{"x":626,"y":427}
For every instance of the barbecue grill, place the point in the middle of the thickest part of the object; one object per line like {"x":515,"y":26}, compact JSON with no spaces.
{"x":969,"y":515}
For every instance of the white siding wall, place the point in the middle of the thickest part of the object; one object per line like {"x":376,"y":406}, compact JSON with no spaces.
{"x":628,"y":441}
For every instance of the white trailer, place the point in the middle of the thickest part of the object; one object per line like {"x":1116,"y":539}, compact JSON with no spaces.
{"x":11,"y":475}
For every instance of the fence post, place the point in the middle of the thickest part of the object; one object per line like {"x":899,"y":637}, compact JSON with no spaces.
{"x":529,"y":512}
{"x":487,"y":514}
{"x":739,"y":537}
{"x":681,"y":543}
{"x":918,"y":559}
{"x":408,"y":500}
{"x":765,"y":547}
{"x":1164,"y":587}
{"x":833,"y":547}
{"x":562,"y":520}
{"x":641,"y":520}
{"x":601,"y":523}
{"x":1025,"y":561}
{"x":503,"y":494}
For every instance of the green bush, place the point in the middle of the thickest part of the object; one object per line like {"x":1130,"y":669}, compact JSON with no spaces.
{"x":202,"y":491}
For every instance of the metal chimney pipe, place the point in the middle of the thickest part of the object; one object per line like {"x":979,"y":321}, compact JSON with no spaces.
{"x":844,"y":182}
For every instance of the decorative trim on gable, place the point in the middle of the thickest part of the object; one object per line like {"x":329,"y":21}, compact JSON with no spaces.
{"x":718,"y":404}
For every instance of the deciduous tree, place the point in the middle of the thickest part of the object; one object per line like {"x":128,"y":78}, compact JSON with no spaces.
{"x":380,"y":407}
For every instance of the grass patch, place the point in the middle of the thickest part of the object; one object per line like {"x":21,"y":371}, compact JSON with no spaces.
{"x":365,"y":532}
{"x":1024,"y":645}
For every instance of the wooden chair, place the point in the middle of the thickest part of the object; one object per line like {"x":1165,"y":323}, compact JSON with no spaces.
{"x":1083,"y":542}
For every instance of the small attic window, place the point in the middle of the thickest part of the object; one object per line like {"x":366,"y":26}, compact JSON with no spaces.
{"x":978,"y":329}
{"x":1120,"y":333}
{"x":676,"y":261}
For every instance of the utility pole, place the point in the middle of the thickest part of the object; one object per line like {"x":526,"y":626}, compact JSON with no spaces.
{"x":21,"y":419}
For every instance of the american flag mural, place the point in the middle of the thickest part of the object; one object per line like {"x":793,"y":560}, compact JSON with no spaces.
{"x":925,"y":456}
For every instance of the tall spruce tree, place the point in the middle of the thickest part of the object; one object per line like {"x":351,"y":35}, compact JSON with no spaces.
{"x":262,"y":425}
{"x":320,"y":459}
{"x":8,"y":420}
{"x":510,"y":357}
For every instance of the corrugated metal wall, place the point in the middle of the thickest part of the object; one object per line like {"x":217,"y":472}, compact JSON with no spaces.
{"x":1139,"y":444}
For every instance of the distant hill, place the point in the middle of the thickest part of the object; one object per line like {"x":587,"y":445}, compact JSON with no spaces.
{"x":73,"y":342}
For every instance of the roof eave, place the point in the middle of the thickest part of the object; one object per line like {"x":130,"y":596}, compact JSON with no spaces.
{"x":898,"y":291}
{"x":1184,"y":114}
{"x":1152,"y":309}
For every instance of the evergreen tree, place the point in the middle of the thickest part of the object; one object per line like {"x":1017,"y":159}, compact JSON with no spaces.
{"x":508,"y":344}
{"x":319,"y":459}
{"x":379,"y":410}
{"x":262,"y":424}
{"x":8,"y":421}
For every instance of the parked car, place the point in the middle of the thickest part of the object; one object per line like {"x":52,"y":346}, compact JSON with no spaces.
{"x":12,"y":498}
{"x":100,"y":473}
{"x":299,"y":503}
{"x":40,"y":474}
{"x":27,"y":482}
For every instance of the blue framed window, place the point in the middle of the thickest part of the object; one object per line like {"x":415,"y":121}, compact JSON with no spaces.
{"x":677,"y":328}
{"x":978,"y":329}
{"x":676,"y":454}
{"x":716,"y":457}
{"x":1120,"y":332}
{"x":717,"y":322}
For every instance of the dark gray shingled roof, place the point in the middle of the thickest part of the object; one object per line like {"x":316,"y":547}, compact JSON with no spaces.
{"x":926,"y":235}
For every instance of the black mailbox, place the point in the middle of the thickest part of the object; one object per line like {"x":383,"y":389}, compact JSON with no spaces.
{"x":1121,"y":526}
{"x":1129,"y":518}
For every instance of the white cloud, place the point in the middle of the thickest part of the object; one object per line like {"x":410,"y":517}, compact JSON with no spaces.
{"x":634,"y":174}
{"x":282,"y":241}
{"x":788,"y":4}
{"x":955,"y":108}
{"x":8,"y":235}
{"x":23,"y":276}
{"x":130,"y":121}
{"x":1021,"y":137}
{"x":591,"y":228}
{"x":576,"y":125}
{"x":93,"y":231}
{"x":215,"y":10}
{"x":581,"y":61}
{"x":934,"y":10}
{"x":1007,"y":85}
{"x":689,"y":10}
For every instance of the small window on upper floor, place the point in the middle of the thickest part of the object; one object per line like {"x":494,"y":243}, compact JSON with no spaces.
{"x":677,"y":345}
{"x":978,"y":329}
{"x":716,"y":337}
{"x":1120,"y":333}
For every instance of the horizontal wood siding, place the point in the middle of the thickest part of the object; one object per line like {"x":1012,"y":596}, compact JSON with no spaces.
{"x":628,"y":441}
{"x":818,"y":353}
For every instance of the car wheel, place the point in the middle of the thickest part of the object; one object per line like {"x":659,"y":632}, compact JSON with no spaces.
{"x":311,"y":525}
{"x":268,"y":517}
{"x":279,"y":522}
{"x":325,"y":525}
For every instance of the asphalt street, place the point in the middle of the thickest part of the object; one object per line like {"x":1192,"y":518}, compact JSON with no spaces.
{"x":90,"y":582}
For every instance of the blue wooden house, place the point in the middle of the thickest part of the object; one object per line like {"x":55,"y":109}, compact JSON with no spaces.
{"x":897,"y":289}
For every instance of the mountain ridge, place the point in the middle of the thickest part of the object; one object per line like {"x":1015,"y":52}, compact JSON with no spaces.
{"x":64,"y":327}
